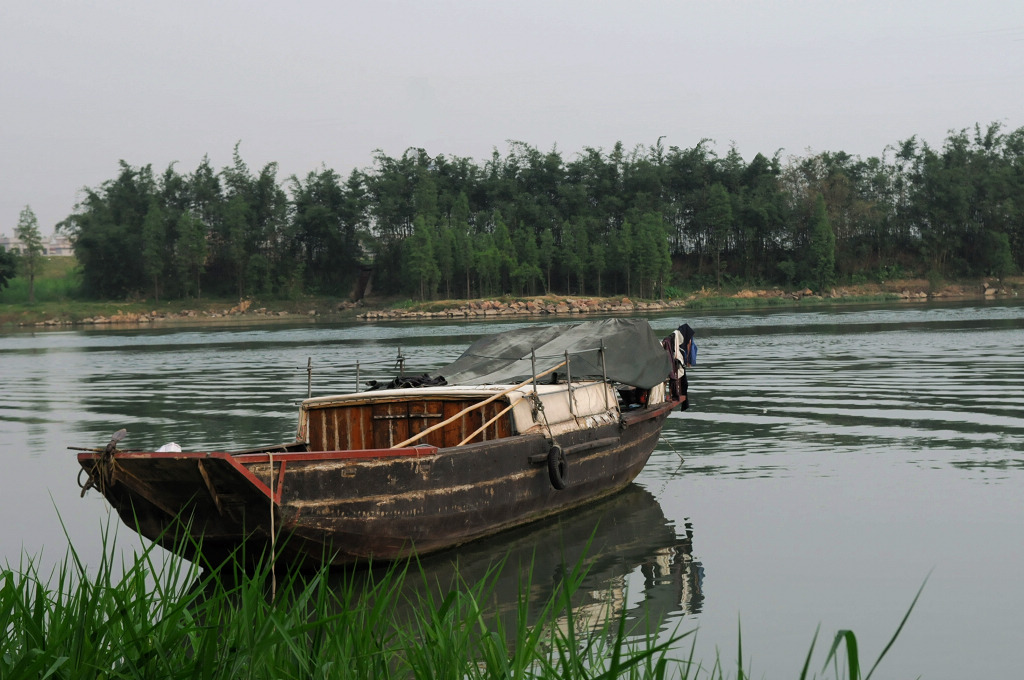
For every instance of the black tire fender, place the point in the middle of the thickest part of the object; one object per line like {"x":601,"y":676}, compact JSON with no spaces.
{"x":558,"y":467}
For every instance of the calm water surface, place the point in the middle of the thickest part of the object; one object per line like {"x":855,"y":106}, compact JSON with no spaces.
{"x":831,"y":462}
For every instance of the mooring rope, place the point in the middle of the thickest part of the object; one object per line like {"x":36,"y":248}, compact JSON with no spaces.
{"x":102,"y":473}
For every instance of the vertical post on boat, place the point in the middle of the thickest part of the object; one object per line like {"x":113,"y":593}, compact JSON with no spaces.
{"x":533,"y":369}
{"x":568,"y":382}
{"x":357,"y":375}
{"x":309,"y":377}
{"x":604,"y":374}
{"x":273,"y":532}
{"x":400,"y":363}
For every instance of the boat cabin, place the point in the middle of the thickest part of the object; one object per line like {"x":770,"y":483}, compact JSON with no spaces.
{"x":383,"y":419}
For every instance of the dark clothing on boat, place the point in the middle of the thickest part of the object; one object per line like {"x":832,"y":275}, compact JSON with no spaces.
{"x":689,"y":346}
{"x":406,"y":381}
{"x":682,"y":351}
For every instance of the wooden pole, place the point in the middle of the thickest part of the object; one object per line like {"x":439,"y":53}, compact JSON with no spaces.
{"x":568,"y":382}
{"x":472,"y":407}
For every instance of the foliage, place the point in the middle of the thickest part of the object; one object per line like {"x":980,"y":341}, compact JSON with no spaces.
{"x":32,"y":249}
{"x":8,"y":267}
{"x":155,"y":616}
{"x":821,"y":249}
{"x":612,"y":222}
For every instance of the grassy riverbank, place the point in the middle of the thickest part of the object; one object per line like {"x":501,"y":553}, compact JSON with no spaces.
{"x":154,"y":618}
{"x":59,"y":303}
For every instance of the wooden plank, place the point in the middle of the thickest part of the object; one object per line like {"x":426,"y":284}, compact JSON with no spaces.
{"x":503,"y":426}
{"x":423,"y":415}
{"x":330,"y":429}
{"x":386,"y":432}
{"x":490,"y":412}
{"x":365,"y":427}
{"x":451,"y":434}
{"x":472,"y":421}
{"x":209,"y":487}
{"x":314,"y":430}
{"x":347,"y":416}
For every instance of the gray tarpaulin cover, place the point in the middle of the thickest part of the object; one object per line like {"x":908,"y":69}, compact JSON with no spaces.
{"x":633,"y":355}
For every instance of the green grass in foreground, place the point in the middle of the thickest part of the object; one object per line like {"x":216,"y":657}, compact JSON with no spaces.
{"x":154,"y":618}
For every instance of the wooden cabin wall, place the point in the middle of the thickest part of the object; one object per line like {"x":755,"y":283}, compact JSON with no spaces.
{"x":382,"y":425}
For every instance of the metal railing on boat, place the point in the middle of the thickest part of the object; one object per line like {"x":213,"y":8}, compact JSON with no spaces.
{"x":399,"y":363}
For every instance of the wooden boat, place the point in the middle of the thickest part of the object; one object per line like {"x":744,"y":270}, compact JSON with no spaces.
{"x":529,"y":423}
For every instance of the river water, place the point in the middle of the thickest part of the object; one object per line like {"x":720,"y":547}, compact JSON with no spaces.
{"x":831,"y":463}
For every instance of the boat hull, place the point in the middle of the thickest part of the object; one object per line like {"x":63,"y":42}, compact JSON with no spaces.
{"x":341,"y":507}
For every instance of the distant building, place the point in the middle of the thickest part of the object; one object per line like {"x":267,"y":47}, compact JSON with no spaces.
{"x":55,"y":244}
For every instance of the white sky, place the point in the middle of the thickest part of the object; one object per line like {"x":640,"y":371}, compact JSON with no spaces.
{"x":84,"y":84}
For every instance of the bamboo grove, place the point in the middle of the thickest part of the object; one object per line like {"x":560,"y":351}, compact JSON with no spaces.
{"x":639,"y":222}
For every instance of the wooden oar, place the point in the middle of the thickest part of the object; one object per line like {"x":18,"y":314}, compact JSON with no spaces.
{"x":477,"y":405}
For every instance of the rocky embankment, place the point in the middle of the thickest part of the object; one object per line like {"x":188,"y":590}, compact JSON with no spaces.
{"x":910,"y":291}
{"x":243,"y":309}
{"x":481,"y":308}
{"x":903,"y":290}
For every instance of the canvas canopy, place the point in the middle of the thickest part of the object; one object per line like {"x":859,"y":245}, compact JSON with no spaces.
{"x":632,"y":354}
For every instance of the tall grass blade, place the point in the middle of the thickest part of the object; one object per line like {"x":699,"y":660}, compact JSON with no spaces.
{"x":810,"y":652}
{"x":739,"y":652}
{"x":852,"y":658}
{"x":899,"y":628}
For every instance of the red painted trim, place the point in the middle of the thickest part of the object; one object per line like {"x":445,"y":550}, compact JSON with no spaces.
{"x":640,"y":415}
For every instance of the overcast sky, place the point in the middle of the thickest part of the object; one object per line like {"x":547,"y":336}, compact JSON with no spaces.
{"x":304,"y":83}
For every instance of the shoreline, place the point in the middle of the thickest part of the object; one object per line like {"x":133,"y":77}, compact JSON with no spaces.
{"x":104,"y":314}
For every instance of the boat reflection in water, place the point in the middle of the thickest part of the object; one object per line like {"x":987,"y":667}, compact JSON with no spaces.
{"x":623,"y":542}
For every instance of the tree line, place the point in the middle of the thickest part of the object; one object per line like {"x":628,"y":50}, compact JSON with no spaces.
{"x":636,"y":222}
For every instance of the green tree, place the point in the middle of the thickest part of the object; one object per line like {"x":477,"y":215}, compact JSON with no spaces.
{"x":650,"y":254}
{"x":575,"y":253}
{"x":32,"y":249}
{"x":526,"y":272}
{"x":419,"y":262}
{"x":236,"y":221}
{"x":487,"y":260}
{"x":324,"y":230}
{"x":506,"y":251}
{"x":597,"y":262}
{"x":996,"y":254}
{"x":462,"y":251}
{"x":445,"y":250}
{"x":8,"y":266}
{"x":624,"y":246}
{"x":546,"y":256}
{"x":821,"y":249}
{"x":154,"y":239}
{"x":106,"y":231}
{"x":719,"y":222}
{"x":191,"y":250}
